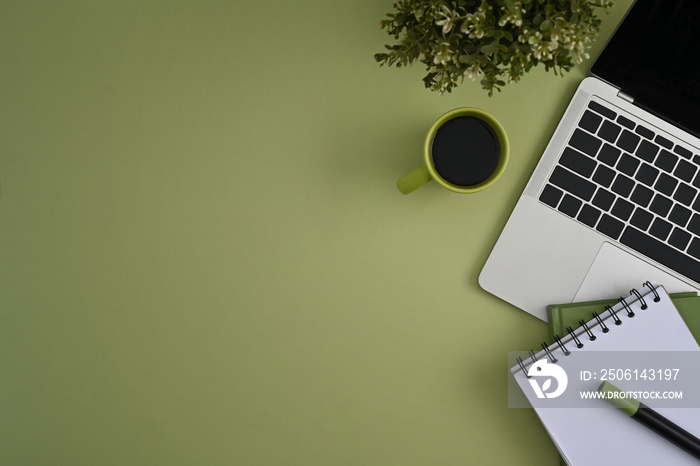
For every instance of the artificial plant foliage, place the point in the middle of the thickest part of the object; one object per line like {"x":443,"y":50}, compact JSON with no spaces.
{"x":494,"y":41}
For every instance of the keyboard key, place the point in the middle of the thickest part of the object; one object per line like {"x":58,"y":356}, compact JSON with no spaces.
{"x":578,"y":162}
{"x":683,"y":152}
{"x":609,"y":155}
{"x":610,"y":226}
{"x":589,"y":215}
{"x":603,"y":199}
{"x":628,"y":141}
{"x":666,"y":160}
{"x":622,"y":185}
{"x":595,"y":106}
{"x":572,"y":183}
{"x":628,"y":164}
{"x":647,"y":151}
{"x":661,"y":205}
{"x":604,"y":176}
{"x":622,"y":209}
{"x":696,"y":181}
{"x":696,"y":159}
{"x":694,"y":225}
{"x":590,"y":121}
{"x":679,"y":238}
{"x":609,"y":131}
{"x":641,"y":219}
{"x":551,"y":195}
{"x":696,"y":204}
{"x":660,"y":229}
{"x":647,"y":174}
{"x":694,"y":248}
{"x":642,"y":131}
{"x":585,"y":142}
{"x":626,"y":122}
{"x":685,"y":194}
{"x":570,"y":205}
{"x":663,"y":142}
{"x":642,"y":195}
{"x":666,"y":184}
{"x":685,"y":171}
{"x":661,"y":253}
{"x":679,"y":215}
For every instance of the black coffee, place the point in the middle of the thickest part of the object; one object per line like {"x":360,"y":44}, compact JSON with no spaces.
{"x":465,"y":151}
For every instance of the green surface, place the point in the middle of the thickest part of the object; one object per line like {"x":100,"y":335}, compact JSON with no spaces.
{"x":205,"y":259}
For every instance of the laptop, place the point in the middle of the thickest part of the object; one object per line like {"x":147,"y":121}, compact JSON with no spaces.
{"x":614,"y":200}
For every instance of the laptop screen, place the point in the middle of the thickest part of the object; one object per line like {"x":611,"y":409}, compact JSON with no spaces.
{"x":654,"y":57}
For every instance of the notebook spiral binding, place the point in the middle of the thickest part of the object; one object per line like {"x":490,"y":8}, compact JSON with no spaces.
{"x":614,"y":315}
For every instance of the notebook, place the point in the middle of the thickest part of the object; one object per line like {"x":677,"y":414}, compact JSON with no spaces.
{"x":562,"y":316}
{"x":622,"y":169}
{"x":607,"y":436}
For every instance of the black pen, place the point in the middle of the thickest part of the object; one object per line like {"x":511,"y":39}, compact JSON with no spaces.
{"x":650,"y":418}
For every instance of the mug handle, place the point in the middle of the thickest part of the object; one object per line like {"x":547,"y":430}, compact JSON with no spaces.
{"x":414,"y":180}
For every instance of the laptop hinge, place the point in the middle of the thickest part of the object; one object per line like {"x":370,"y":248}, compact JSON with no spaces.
{"x":625,"y":97}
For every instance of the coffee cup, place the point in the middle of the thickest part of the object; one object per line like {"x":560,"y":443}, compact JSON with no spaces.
{"x":465,"y":151}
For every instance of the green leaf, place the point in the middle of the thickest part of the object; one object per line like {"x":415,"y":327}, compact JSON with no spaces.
{"x":490,"y":48}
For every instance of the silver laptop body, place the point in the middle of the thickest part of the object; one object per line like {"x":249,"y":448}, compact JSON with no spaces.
{"x":548,"y":249}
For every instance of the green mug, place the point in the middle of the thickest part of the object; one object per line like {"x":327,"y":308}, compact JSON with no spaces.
{"x":466,"y":150}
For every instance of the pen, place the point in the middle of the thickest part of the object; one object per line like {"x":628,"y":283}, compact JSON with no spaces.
{"x":653,"y":420}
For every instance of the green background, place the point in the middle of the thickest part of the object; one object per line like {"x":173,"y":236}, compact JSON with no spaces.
{"x":204,"y":257}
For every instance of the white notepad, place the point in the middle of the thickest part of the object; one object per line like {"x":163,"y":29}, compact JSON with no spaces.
{"x":600,"y":437}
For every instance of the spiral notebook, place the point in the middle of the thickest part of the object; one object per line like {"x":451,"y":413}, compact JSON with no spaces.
{"x":606,"y":436}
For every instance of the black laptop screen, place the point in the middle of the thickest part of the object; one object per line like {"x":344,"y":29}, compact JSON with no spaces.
{"x":654,"y":57}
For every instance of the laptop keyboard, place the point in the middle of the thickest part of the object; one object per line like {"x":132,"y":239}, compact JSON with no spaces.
{"x":632,"y":184}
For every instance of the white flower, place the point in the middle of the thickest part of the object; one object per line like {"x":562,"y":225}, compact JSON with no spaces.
{"x":474,"y":25}
{"x":443,"y":81}
{"x":443,"y":53}
{"x":514,"y":15}
{"x":448,"y":19}
{"x":473,"y":72}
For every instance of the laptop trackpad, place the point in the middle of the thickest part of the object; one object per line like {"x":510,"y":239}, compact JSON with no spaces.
{"x":615,"y":272}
